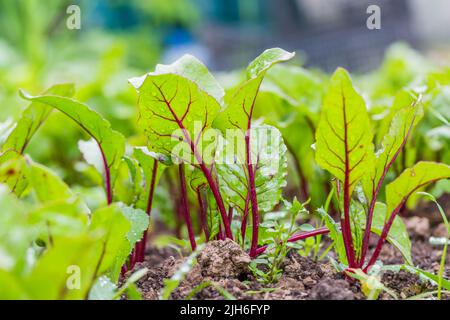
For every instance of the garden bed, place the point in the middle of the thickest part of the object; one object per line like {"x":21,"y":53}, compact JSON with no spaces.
{"x":225,"y":264}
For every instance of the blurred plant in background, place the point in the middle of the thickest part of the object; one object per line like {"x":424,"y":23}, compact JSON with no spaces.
{"x":117,"y":39}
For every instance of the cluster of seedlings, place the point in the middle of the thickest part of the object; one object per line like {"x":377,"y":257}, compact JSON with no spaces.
{"x":223,"y":157}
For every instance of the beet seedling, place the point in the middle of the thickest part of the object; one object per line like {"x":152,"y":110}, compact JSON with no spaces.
{"x":111,"y":143}
{"x":344,"y":148}
{"x":278,"y":233}
{"x":180,"y":105}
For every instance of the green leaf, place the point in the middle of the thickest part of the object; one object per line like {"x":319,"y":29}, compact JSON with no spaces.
{"x":412,"y":179}
{"x":205,"y":284}
{"x":32,"y":118}
{"x":357,"y":218}
{"x":6,"y":127}
{"x":15,"y":234}
{"x":398,"y":234}
{"x":290,"y":99}
{"x":129,"y":184}
{"x":70,"y":259}
{"x":129,"y":286}
{"x":103,"y":289}
{"x":239,"y":112}
{"x":212,"y":215}
{"x":441,"y":210}
{"x":63,"y":212}
{"x":114,"y":246}
{"x":430,"y":277}
{"x":59,"y":219}
{"x":177,"y":104}
{"x":393,"y":142}
{"x":133,"y":292}
{"x":270,"y":171}
{"x":47,"y":185}
{"x":111,"y":143}
{"x":12,"y":288}
{"x":121,"y":227}
{"x":196,"y":178}
{"x":344,"y":136}
{"x":13,"y":171}
{"x":298,"y":86}
{"x":266,"y":60}
{"x":139,"y":223}
{"x":335,"y":234}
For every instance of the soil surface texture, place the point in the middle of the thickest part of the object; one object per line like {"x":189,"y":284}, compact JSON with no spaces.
{"x":223,"y":265}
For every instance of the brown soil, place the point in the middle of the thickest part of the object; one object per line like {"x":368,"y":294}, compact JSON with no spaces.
{"x":226,"y":265}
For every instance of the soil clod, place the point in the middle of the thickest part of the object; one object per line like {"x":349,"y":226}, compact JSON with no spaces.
{"x":223,"y":259}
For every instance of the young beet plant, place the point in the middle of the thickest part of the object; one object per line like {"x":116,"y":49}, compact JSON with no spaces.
{"x":57,"y":219}
{"x":344,"y":148}
{"x":111,"y":144}
{"x":229,"y":166}
{"x":105,"y":151}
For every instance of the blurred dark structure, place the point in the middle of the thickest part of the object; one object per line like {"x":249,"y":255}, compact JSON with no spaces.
{"x":227,"y":34}
{"x":328,"y":32}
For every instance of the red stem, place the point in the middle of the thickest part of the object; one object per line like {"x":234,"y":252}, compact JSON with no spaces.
{"x":185,"y":206}
{"x":140,"y":246}
{"x":384,"y":234}
{"x":345,"y":223}
{"x":230,"y":213}
{"x":244,"y":219}
{"x":220,"y":233}
{"x":388,"y":224}
{"x":108,"y":187}
{"x":366,"y":238}
{"x":175,"y":201}
{"x":251,"y":177}
{"x":202,"y":208}
{"x":218,"y":198}
{"x":297,"y":237}
{"x":253,"y":198}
